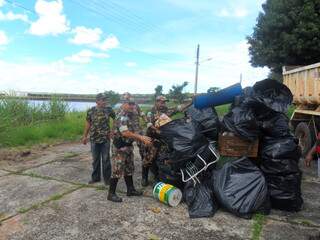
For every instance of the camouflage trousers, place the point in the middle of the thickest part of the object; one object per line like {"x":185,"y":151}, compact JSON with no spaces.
{"x":122,"y":162}
{"x":149,"y":155}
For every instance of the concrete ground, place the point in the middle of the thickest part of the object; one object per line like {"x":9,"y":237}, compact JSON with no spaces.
{"x":45,"y":196}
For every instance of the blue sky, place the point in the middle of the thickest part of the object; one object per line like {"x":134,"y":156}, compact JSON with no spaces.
{"x":87,"y":46}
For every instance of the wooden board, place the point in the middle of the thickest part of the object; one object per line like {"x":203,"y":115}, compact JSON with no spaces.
{"x":232,"y":146}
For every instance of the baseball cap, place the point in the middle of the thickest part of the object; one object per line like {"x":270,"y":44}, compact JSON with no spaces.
{"x":161,"y":98}
{"x":131,"y":100}
{"x":101,"y":96}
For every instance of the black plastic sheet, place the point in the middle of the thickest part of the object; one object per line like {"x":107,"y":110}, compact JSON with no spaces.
{"x":183,"y":139}
{"x":242,"y":122}
{"x":280,"y":158}
{"x":272,"y":94}
{"x":280,"y":148}
{"x":241,"y":188}
{"x":285,"y":191}
{"x":208,"y":120}
{"x":277,"y":126}
{"x":200,"y":200}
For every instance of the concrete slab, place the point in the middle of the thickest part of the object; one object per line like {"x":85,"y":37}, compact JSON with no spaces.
{"x":310,"y":213}
{"x":76,"y":169}
{"x":3,"y":173}
{"x":21,"y":192}
{"x":136,"y":218}
{"x":39,"y":157}
{"x":274,"y":230}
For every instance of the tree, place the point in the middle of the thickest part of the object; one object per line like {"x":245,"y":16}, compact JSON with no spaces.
{"x":287,"y":33}
{"x":176,"y":92}
{"x":113,"y":97}
{"x":158,"y":90}
{"x":213,"y":90}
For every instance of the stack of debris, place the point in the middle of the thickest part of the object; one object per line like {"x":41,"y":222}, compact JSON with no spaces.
{"x":240,"y":177}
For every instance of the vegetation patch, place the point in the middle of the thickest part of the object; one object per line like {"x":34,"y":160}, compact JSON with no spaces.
{"x":258,"y":222}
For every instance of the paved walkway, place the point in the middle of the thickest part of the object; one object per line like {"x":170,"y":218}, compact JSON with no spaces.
{"x":44,"y":195}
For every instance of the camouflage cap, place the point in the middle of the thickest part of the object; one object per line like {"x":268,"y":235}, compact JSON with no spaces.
{"x":101,"y":96}
{"x":161,"y":98}
{"x":131,"y":100}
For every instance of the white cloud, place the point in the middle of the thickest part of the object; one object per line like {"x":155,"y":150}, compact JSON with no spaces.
{"x":92,"y":37}
{"x":2,"y":2}
{"x":85,"y":35}
{"x":238,"y":12}
{"x":51,"y":20}
{"x":224,"y":13}
{"x":85,"y":56}
{"x":228,"y":62}
{"x":109,"y":43}
{"x":131,"y":64}
{"x":3,"y":38}
{"x":10,"y":16}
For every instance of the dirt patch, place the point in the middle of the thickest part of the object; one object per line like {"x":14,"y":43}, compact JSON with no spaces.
{"x":12,"y":226}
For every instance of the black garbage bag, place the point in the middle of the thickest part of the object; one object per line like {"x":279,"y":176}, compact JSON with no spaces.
{"x":241,"y":188}
{"x":285,"y":191}
{"x":199,"y":199}
{"x":208,"y":120}
{"x":272,"y":95}
{"x":276,"y":126}
{"x":238,"y":100}
{"x":279,"y":167}
{"x":166,"y":173}
{"x":280,"y":148}
{"x":183,"y":139}
{"x":242,"y":122}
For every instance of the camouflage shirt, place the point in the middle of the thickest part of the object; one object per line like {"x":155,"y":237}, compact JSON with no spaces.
{"x":99,"y":119}
{"x":136,"y":119}
{"x":124,"y":122}
{"x":157,"y":111}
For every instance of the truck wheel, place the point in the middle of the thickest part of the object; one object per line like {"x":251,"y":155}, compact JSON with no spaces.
{"x":304,"y":135}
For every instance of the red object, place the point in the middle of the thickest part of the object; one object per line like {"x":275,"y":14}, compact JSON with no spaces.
{"x":318,"y":144}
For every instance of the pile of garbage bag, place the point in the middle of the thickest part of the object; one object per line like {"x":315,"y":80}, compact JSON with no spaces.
{"x":243,"y":186}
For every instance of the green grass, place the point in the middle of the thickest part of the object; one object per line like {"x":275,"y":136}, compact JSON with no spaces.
{"x":258,"y":222}
{"x":223,"y":109}
{"x":68,"y":128}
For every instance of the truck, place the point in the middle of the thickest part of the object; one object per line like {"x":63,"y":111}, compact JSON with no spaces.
{"x":304,"y":83}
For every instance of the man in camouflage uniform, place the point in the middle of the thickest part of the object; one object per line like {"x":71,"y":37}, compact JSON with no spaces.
{"x":137,"y":114}
{"x":122,"y":151}
{"x":151,"y":152}
{"x":97,"y":123}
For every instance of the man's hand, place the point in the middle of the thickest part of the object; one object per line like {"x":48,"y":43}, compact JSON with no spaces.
{"x":307,"y":160}
{"x":84,"y":140}
{"x":110,"y":134}
{"x":146,"y":140}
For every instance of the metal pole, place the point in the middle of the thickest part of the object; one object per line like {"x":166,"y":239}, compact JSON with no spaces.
{"x":197,"y":68}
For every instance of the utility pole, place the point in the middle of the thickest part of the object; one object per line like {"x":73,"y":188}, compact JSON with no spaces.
{"x":197,"y":68}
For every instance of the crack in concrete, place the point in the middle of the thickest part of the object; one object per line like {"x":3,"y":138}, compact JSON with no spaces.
{"x":54,"y":197}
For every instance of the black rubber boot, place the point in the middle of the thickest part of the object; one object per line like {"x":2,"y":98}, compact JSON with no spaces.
{"x":131,"y":191}
{"x":112,"y":196}
{"x":144,"y":180}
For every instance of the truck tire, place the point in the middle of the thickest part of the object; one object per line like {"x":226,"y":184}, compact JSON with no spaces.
{"x":303,"y":133}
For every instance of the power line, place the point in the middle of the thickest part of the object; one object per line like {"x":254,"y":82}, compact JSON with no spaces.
{"x":132,"y":15}
{"x":15,"y":4}
{"x":118,"y":13}
{"x":119,"y":22}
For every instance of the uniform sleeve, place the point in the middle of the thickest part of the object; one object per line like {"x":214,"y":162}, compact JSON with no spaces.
{"x":88,"y":117}
{"x":122,"y":123}
{"x":139,"y":110}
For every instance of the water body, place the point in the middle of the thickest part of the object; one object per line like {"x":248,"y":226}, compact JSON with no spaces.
{"x":80,"y":106}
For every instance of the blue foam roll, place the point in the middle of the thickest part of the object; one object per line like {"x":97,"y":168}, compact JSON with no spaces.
{"x":224,"y":96}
